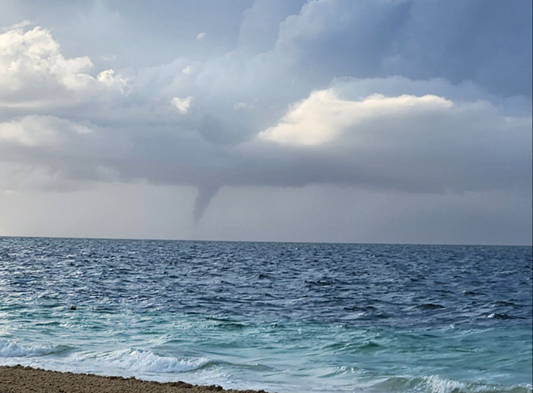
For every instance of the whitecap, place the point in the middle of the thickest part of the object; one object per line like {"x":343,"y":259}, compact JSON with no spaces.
{"x":146,"y":361}
{"x":439,"y":384}
{"x":11,"y":349}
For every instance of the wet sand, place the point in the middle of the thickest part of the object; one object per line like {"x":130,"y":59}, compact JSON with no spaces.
{"x":19,"y":379}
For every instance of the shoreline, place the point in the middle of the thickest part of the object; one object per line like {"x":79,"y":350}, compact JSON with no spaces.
{"x":23,"y":379}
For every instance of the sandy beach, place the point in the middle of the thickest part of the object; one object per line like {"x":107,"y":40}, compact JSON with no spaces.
{"x":19,"y":379}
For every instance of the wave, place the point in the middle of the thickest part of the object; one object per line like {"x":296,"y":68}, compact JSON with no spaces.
{"x":438,"y":384}
{"x":139,"y":363}
{"x":10,"y":349}
{"x":146,"y":361}
{"x":502,"y":316}
{"x":148,"y":364}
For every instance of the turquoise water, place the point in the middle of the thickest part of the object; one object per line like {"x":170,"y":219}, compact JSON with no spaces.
{"x":288,"y":318}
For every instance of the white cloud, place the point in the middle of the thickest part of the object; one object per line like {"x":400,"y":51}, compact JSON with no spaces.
{"x":324,"y":116}
{"x":182,"y":104}
{"x":39,"y":131}
{"x":109,"y":57}
{"x":112,"y":80}
{"x":245,"y":105}
{"x":201,"y":36}
{"x":19,"y":25}
{"x":411,"y":143}
{"x":187,"y":70}
{"x":34,"y":72}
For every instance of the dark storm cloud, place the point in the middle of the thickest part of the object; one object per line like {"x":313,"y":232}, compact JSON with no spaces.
{"x":411,"y":96}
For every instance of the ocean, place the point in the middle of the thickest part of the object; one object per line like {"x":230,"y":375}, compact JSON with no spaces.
{"x":284,"y":317}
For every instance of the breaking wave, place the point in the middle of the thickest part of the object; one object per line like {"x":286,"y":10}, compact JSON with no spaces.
{"x":11,"y":349}
{"x":146,"y":361}
{"x":438,"y":384}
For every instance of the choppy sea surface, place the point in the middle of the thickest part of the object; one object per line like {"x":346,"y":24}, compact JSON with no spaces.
{"x":287,"y":318}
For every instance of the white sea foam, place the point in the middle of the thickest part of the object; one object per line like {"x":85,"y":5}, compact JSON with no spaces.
{"x":148,"y":365}
{"x":10,"y":349}
{"x":437,"y":384}
{"x":145,"y":361}
{"x":143,"y":364}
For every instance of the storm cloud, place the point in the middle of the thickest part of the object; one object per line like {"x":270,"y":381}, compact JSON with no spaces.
{"x":385,"y":96}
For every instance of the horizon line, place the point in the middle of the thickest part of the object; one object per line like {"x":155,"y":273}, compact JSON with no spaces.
{"x":262,"y":241}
